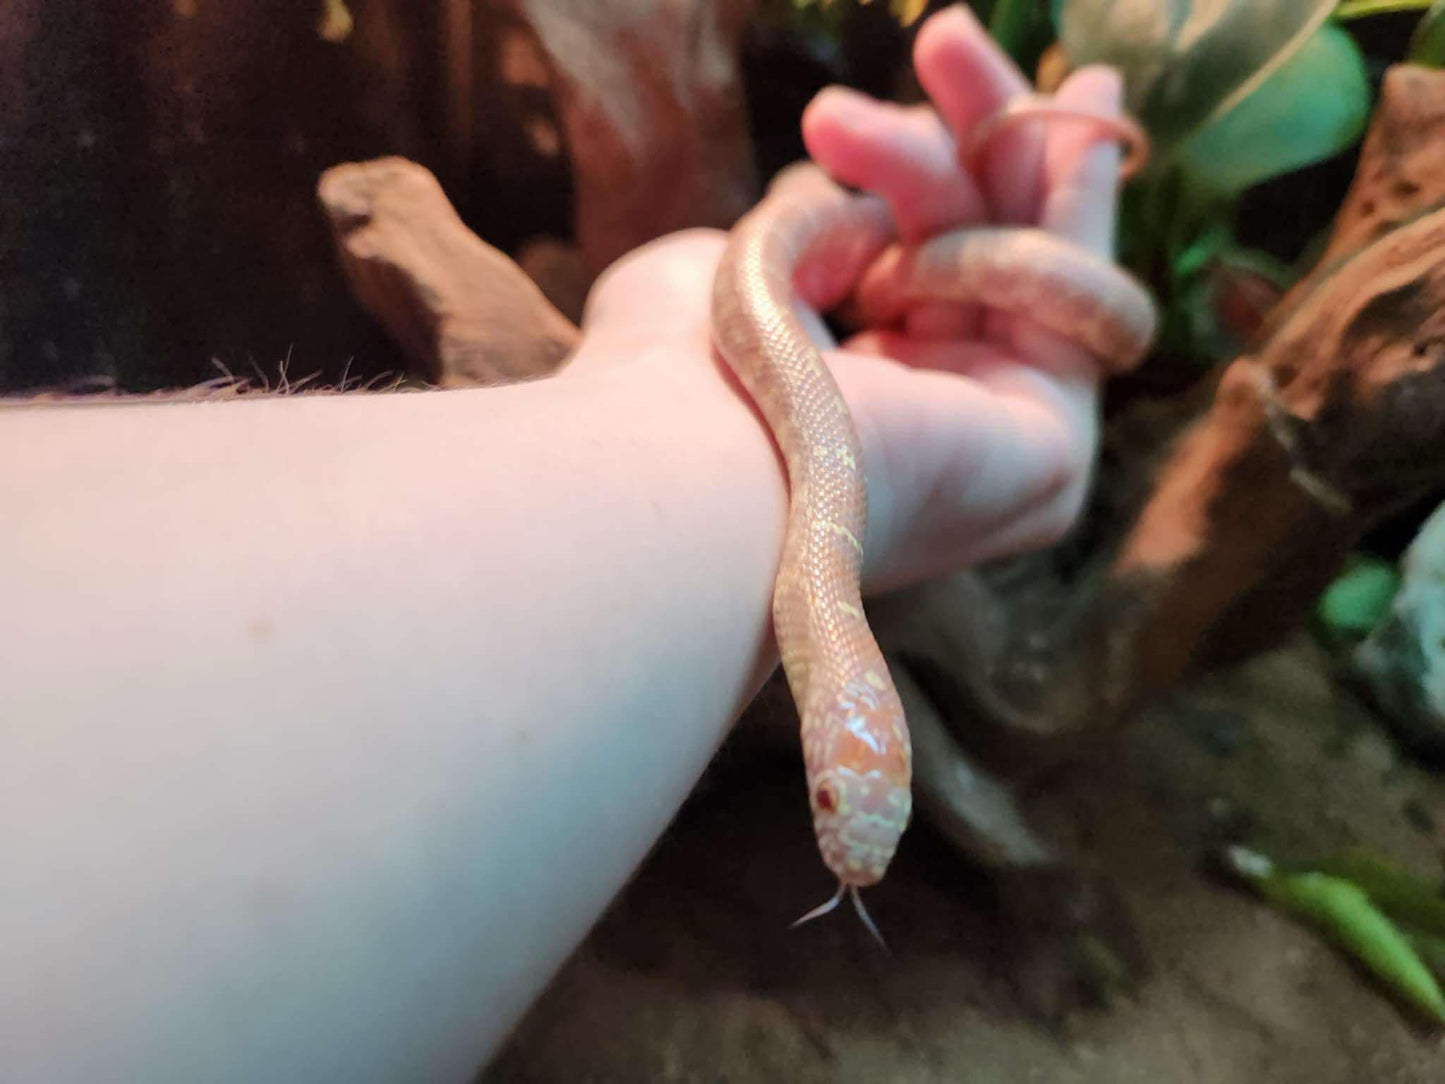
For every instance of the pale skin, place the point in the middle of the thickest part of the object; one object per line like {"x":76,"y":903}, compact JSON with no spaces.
{"x":331,"y":724}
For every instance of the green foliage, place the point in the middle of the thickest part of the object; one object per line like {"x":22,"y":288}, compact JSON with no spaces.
{"x":1357,"y":599}
{"x":1427,"y":46}
{"x":1345,"y":913}
{"x":1430,"y":949}
{"x":1022,"y":28}
{"x":1186,"y":63}
{"x":1232,"y":95}
{"x":1414,"y":901}
{"x":1314,"y":105}
{"x":1358,"y":9}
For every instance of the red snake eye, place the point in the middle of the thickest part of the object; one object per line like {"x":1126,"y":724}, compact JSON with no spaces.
{"x":826,"y":800}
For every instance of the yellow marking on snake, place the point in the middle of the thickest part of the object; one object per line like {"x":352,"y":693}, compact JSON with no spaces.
{"x":838,"y":528}
{"x":849,"y":609}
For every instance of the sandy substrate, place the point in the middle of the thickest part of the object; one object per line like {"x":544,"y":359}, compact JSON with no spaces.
{"x":693,"y":976}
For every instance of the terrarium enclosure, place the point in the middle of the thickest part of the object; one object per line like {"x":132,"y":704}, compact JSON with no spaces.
{"x":1179,"y":814}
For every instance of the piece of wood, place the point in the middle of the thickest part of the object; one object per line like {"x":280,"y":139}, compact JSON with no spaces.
{"x":464,"y":313}
{"x":1400,"y":167}
{"x":650,"y":101}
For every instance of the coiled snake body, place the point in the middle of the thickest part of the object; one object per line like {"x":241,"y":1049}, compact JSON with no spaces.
{"x":855,"y":739}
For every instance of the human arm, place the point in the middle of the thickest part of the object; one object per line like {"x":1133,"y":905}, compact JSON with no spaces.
{"x":332,"y":723}
{"x":316,"y":707}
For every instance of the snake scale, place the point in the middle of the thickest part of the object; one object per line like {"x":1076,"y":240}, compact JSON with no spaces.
{"x":856,"y":747}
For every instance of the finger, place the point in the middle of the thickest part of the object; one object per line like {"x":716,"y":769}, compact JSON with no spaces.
{"x":1081,"y":169}
{"x":1081,"y":173}
{"x":969,"y":79}
{"x":905,"y":155}
{"x":657,"y":296}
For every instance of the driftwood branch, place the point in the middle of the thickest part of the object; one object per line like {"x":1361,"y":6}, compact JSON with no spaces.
{"x":1401,"y":164}
{"x":650,"y":101}
{"x":463,"y":312}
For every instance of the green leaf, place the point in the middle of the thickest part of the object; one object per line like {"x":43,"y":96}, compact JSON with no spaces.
{"x":1358,"y":598}
{"x":1427,"y":44}
{"x":1312,"y":107}
{"x":1360,"y":9}
{"x":1343,"y":912}
{"x":1430,"y":949}
{"x":1203,"y":249}
{"x":1409,"y":899}
{"x":1019,"y":27}
{"x":1186,"y":62}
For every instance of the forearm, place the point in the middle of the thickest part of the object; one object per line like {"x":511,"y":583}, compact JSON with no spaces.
{"x":331,"y":724}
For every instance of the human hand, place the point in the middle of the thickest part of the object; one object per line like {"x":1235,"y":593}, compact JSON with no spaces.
{"x":978,"y":430}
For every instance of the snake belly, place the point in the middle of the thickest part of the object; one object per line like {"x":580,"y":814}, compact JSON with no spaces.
{"x":856,"y":748}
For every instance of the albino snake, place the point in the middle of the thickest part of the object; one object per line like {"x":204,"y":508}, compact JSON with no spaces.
{"x":855,"y":740}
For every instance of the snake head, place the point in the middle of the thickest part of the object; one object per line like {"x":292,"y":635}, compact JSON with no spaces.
{"x":859,"y":817}
{"x":859,"y":760}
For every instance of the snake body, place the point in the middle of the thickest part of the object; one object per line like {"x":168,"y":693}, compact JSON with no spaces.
{"x":855,"y":741}
{"x":856,"y":747}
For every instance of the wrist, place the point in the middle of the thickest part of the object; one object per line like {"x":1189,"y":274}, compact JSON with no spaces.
{"x":718,"y":481}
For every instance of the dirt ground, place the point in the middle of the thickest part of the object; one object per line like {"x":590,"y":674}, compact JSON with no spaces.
{"x":694,"y":976}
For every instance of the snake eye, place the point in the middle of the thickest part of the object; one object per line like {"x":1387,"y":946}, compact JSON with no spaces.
{"x":826,"y":799}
